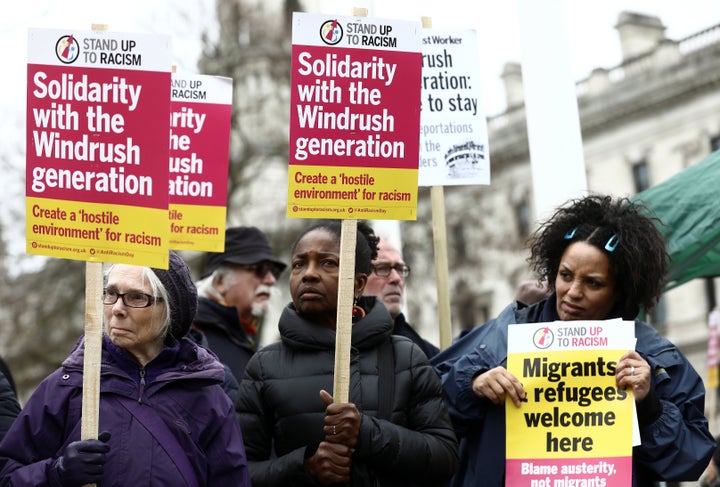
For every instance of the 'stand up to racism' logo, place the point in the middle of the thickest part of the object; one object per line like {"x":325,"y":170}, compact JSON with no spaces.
{"x":543,"y":338}
{"x":331,"y":32}
{"x":67,"y":49}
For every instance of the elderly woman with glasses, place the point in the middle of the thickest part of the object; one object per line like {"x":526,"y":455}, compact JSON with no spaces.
{"x":164,"y":418}
{"x":602,"y":259}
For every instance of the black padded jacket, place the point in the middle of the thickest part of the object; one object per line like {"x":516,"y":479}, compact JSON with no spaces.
{"x":281,"y":412}
{"x":9,"y":406}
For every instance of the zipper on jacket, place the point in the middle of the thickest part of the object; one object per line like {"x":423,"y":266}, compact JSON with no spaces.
{"x":142,"y":383}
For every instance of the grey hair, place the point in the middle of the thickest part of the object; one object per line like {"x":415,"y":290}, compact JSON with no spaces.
{"x":206,"y":286}
{"x":157,"y":290}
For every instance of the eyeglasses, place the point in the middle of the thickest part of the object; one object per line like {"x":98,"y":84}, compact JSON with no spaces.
{"x":383,"y":270}
{"x":133,"y":299}
{"x":262,"y":268}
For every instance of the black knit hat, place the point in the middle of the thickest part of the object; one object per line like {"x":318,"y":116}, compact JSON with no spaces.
{"x":182,"y":294}
{"x":244,"y":246}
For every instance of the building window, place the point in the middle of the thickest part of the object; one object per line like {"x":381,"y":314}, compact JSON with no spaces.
{"x":472,"y":309}
{"x":460,"y":243}
{"x":472,"y":313}
{"x":658,"y":316}
{"x":641,"y":176}
{"x":714,"y":143}
{"x":710,"y":293}
{"x":522,"y":217}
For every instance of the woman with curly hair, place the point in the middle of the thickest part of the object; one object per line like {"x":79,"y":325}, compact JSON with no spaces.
{"x":394,"y":431}
{"x":602,"y":258}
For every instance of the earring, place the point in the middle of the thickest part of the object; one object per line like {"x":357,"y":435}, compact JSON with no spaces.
{"x":357,"y":312}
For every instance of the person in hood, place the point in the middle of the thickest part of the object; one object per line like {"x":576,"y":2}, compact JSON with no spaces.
{"x":602,"y":258}
{"x":393,"y":431}
{"x":163,"y":416}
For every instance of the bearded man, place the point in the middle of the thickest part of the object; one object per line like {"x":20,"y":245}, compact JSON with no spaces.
{"x":234,"y":293}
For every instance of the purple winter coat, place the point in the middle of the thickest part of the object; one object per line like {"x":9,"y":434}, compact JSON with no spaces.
{"x":181,"y":384}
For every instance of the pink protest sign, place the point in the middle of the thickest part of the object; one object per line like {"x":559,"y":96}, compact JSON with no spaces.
{"x":199,"y":151}
{"x":354,"y":118}
{"x":98,"y":107}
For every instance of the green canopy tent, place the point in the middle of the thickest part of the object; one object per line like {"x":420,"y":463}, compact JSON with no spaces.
{"x":689,"y":206}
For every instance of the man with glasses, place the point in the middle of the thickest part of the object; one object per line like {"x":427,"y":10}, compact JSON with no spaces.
{"x":233,"y":295}
{"x":387,"y":282}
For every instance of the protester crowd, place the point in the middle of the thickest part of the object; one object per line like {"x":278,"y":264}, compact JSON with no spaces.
{"x":189,"y":395}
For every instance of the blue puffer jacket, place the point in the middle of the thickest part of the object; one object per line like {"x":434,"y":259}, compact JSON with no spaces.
{"x":181,"y":384}
{"x":677,"y":445}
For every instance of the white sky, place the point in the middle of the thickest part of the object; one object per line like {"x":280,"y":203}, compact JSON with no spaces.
{"x":591,"y":35}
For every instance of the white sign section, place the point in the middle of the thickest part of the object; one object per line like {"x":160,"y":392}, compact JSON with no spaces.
{"x":453,"y":130}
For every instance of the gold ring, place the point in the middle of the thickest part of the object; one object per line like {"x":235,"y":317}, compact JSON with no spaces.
{"x":632,"y":370}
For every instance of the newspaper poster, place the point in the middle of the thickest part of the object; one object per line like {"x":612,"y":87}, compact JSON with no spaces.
{"x":453,"y":130}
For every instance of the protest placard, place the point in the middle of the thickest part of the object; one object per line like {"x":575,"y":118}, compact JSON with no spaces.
{"x":454,"y":139}
{"x":199,"y":150}
{"x":97,"y":125}
{"x":354,"y":118}
{"x":576,"y":426}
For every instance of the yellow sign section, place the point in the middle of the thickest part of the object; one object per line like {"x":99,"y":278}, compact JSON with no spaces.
{"x":352,"y":193}
{"x":97,"y":232}
{"x":195,"y":227}
{"x":574,"y":408}
{"x":712,"y":381}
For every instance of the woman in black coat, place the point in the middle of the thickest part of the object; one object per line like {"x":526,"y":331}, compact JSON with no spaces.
{"x":9,"y":406}
{"x":395,"y":429}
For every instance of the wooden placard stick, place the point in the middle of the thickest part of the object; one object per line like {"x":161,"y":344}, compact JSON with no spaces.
{"x":437,"y":198}
{"x":93,"y":348}
{"x":346,"y":298}
{"x":93,"y":352}
{"x":93,"y":342}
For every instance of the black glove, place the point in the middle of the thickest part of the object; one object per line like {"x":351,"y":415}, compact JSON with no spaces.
{"x":83,"y":461}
